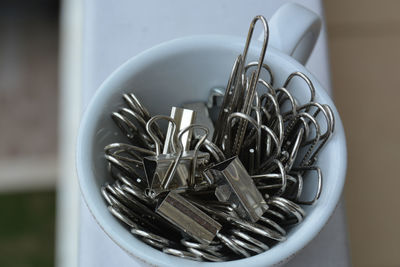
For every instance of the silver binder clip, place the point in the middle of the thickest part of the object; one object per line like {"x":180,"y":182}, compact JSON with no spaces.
{"x":159,"y":168}
{"x":188,"y":218}
{"x":234,"y":185}
{"x":175,"y":170}
{"x":162,"y":167}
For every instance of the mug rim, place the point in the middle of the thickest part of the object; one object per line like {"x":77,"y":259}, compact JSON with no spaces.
{"x":146,"y":253}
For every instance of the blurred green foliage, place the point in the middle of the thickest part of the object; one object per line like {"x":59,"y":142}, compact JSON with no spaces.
{"x":27,"y":229}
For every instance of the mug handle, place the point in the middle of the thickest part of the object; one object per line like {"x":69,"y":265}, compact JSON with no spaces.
{"x":294,"y":30}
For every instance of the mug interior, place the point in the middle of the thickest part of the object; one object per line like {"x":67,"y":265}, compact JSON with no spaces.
{"x":183,"y":71}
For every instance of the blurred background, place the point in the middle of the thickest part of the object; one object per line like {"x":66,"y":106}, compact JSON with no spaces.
{"x":29,"y":49}
{"x":364,"y":41}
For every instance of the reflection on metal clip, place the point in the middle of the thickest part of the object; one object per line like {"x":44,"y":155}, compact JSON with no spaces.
{"x":183,"y":118}
{"x":188,"y":218}
{"x":234,"y":185}
{"x":202,"y":118}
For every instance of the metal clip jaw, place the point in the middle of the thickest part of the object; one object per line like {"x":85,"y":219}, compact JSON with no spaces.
{"x":188,"y":218}
{"x":235,"y":185}
{"x":157,"y":169}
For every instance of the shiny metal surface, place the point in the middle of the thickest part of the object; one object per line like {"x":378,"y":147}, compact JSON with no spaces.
{"x":234,"y":185}
{"x":187,"y":217}
{"x":183,"y":118}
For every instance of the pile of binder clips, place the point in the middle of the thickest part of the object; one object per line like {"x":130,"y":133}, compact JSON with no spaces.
{"x":222,"y":190}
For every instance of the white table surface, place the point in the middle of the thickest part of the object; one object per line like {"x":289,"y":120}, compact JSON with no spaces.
{"x":115,"y":31}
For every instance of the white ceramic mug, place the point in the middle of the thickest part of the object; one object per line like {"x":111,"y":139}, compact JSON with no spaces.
{"x":184,"y":70}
